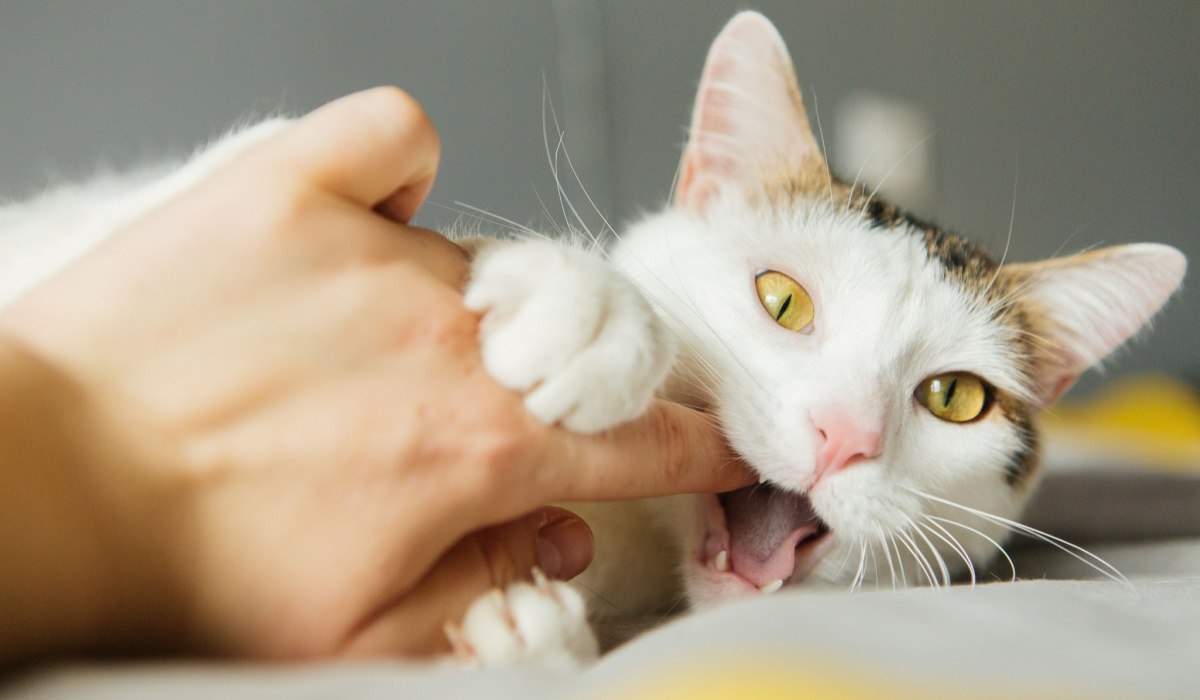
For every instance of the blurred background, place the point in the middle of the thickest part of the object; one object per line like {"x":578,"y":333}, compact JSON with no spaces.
{"x":1073,"y":122}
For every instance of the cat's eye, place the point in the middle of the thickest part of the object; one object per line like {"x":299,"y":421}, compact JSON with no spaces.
{"x":785,"y":300}
{"x":957,"y":397}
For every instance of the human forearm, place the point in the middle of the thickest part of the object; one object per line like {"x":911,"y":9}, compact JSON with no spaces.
{"x":67,"y":561}
{"x":50,"y":553}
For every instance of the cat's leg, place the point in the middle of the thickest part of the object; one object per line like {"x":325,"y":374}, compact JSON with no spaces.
{"x":568,"y":330}
{"x":206,"y":160}
{"x":41,"y":236}
{"x":543,"y":623}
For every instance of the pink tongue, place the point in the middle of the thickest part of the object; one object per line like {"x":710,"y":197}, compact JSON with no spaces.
{"x":765,"y":525}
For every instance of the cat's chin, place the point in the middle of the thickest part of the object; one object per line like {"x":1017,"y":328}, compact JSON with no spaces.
{"x":754,"y":540}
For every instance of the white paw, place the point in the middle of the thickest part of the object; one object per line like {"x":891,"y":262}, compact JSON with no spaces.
{"x":543,"y":624}
{"x":568,"y":330}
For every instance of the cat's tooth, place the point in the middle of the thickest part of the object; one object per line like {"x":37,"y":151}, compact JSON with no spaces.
{"x":771,"y":587}
{"x":722,"y":561}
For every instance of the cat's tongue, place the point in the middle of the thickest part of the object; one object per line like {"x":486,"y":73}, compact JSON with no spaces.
{"x":765,"y":525}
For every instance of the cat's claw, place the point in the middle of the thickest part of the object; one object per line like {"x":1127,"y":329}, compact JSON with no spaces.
{"x":569,"y":331}
{"x":771,"y":587}
{"x":542,"y":623}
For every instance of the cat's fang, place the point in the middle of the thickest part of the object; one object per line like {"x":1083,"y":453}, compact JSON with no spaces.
{"x":721,"y":562}
{"x":771,"y":587}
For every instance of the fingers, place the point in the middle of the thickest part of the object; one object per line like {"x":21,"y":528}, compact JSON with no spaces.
{"x":437,"y":254}
{"x":553,"y":539}
{"x":377,"y":148}
{"x":670,"y":450}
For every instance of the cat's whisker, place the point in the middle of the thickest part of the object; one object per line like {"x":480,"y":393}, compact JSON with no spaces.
{"x":1012,"y":218}
{"x":597,"y":595}
{"x":942,"y":567}
{"x":899,"y":560}
{"x":703,"y":363}
{"x":874,"y":564}
{"x":1003,"y":552}
{"x":954,"y":544}
{"x":824,"y":151}
{"x":923,"y":565}
{"x":922,"y":562}
{"x":564,"y":199}
{"x":888,"y":174}
{"x":856,"y":584}
{"x":857,"y":175}
{"x":888,"y":552}
{"x":849,"y":547}
{"x":565,"y":203}
{"x":552,"y":159}
{"x":486,"y":217}
{"x":608,"y":228}
{"x":1079,"y":553}
{"x":686,"y":303}
{"x":559,"y":232}
{"x":493,"y":218}
{"x":690,"y":305}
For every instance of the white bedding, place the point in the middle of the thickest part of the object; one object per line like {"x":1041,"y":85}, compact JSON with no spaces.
{"x":1041,"y":638}
{"x":1080,"y":637}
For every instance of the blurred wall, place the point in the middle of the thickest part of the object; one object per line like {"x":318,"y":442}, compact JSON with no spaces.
{"x":1083,"y":113}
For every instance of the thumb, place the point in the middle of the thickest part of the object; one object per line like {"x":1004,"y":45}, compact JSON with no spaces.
{"x":556,"y":540}
{"x":377,"y":148}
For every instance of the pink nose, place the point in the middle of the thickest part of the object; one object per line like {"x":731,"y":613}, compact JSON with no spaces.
{"x":845,"y":442}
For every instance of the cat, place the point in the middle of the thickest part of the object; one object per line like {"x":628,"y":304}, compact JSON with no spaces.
{"x":882,"y":376}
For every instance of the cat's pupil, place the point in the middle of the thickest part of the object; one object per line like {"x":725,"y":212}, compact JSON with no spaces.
{"x":784,"y":307}
{"x":949,"y":393}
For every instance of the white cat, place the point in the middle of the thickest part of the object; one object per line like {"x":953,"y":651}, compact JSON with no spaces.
{"x":884,"y":377}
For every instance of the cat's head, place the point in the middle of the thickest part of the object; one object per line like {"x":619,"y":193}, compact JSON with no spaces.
{"x":872,"y":368}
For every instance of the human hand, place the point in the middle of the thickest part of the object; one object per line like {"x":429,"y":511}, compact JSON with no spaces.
{"x":302,"y":453}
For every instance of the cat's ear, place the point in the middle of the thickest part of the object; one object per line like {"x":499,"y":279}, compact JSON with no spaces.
{"x":1084,"y":306}
{"x":749,"y":123}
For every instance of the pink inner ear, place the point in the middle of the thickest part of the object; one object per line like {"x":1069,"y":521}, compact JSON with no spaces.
{"x":1093,"y":302}
{"x":1058,"y":388}
{"x":693,"y":191}
{"x":749,"y":120}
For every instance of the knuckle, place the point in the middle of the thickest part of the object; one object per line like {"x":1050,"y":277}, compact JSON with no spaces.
{"x":449,"y":328}
{"x":501,"y":449}
{"x":673,"y":441}
{"x":394,"y":109}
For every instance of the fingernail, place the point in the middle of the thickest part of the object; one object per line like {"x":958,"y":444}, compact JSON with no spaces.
{"x":564,"y":548}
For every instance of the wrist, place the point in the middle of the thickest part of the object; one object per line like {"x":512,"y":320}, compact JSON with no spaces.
{"x":75,"y":548}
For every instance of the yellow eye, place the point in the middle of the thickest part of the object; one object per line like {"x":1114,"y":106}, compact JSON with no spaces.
{"x":785,"y":300}
{"x":957,"y":397}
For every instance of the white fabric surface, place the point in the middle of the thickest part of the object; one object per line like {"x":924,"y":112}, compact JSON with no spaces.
{"x":1083,"y":637}
{"x":1093,"y":639}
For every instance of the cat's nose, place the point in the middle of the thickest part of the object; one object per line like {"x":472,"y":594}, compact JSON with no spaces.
{"x":844,"y":441}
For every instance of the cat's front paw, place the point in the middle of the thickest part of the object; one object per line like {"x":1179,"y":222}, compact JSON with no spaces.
{"x":543,"y":623}
{"x":569,"y":331}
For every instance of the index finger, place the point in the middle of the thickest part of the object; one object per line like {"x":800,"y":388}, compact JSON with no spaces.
{"x":670,"y":450}
{"x":377,"y":148}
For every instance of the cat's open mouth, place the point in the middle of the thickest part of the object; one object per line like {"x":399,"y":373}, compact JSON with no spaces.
{"x":763,"y":535}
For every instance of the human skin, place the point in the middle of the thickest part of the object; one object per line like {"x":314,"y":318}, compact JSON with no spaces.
{"x":254,"y":423}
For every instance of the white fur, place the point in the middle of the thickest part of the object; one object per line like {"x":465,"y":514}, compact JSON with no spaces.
{"x":885,"y":321}
{"x":40,"y":237}
{"x":543,"y":623}
{"x":560,"y":326}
